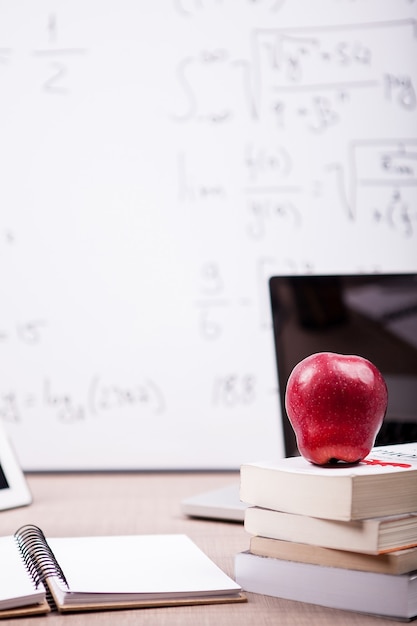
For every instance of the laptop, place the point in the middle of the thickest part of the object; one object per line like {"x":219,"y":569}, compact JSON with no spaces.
{"x":372,"y":315}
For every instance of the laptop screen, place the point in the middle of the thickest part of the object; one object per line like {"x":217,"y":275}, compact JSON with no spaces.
{"x":374,"y":316}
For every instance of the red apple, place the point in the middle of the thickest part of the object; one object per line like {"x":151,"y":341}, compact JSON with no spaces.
{"x":336,"y":404}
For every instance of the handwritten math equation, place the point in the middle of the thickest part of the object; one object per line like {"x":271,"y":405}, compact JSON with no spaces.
{"x":50,"y":60}
{"x":307,"y":77}
{"x":214,"y":300}
{"x":390,"y":165}
{"x":28,"y":332}
{"x":377,"y":180}
{"x":101,"y":398}
{"x":141,"y":401}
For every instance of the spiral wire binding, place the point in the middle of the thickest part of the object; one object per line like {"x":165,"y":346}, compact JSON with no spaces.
{"x":39,"y":559}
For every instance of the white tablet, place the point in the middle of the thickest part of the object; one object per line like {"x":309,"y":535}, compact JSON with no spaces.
{"x":220,"y":504}
{"x":14,"y":490}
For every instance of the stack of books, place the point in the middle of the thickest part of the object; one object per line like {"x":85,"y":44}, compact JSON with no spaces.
{"x":343,"y":536}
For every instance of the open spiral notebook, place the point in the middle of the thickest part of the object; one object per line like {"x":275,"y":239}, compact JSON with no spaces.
{"x":38,"y":575}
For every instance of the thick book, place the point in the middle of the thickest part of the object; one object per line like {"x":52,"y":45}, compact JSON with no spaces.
{"x":372,"y":536}
{"x":393,"y":596}
{"x":112,"y":572}
{"x":396,"y":562}
{"x":385,"y":483}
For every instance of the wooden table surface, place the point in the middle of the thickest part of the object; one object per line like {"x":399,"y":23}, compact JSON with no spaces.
{"x":128,"y":503}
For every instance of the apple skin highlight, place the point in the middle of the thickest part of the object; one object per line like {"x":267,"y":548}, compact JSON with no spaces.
{"x":336,"y":404}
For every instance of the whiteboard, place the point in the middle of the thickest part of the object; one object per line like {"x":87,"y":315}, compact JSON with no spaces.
{"x":159,"y":162}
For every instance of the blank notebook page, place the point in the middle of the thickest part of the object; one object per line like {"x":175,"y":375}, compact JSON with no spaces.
{"x":15,"y":582}
{"x":149,"y":564}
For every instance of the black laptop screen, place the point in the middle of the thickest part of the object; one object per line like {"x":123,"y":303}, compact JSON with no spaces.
{"x":374,"y":316}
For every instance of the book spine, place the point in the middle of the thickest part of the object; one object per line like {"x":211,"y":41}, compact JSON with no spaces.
{"x":37,"y":555}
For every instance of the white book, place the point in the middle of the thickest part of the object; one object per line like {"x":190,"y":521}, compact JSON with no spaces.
{"x":370,"y":536}
{"x":387,"y":595}
{"x":93,"y":573}
{"x":385,"y":483}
